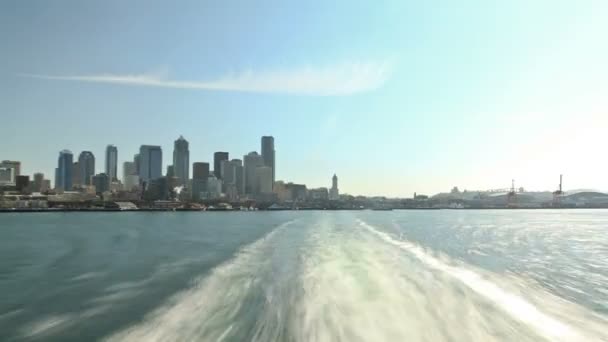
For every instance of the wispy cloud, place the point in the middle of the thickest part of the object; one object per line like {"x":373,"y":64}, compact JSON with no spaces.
{"x":343,"y":79}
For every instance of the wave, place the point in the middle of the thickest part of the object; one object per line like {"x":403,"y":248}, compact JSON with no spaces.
{"x":515,"y":306}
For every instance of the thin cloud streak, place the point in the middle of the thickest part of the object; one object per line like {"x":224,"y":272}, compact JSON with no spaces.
{"x":344,"y":79}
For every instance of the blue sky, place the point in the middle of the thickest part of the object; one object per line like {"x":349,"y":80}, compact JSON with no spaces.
{"x":393,"y":96}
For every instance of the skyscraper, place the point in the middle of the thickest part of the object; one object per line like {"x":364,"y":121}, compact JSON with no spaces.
{"x":268,"y":153}
{"x":218,"y":157}
{"x":112,"y":162}
{"x":200,"y":176}
{"x":263,"y":180}
{"x":252,"y":161}
{"x":181,"y":160}
{"x":86,"y":162}
{"x":334,"y":193}
{"x":151,"y":163}
{"x":137,"y":162}
{"x":63,"y":172}
{"x":76,"y":179}
{"x":130,"y":179}
{"x":240,"y":176}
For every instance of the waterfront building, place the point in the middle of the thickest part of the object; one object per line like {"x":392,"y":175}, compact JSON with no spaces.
{"x":251,"y":161}
{"x":86,"y":162}
{"x":112,"y":162}
{"x":319,"y":194}
{"x":151,"y":162}
{"x":181,"y":160}
{"x":101,"y":182}
{"x":334,"y":192}
{"x":218,"y":157}
{"x":268,"y":154}
{"x":63,"y":172}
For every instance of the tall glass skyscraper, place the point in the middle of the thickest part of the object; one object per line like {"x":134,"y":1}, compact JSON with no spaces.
{"x":268,"y":154}
{"x":63,"y":172}
{"x":181,"y":160}
{"x":151,"y":163}
{"x":86,"y":164}
{"x":112,"y":162}
{"x":218,"y":158}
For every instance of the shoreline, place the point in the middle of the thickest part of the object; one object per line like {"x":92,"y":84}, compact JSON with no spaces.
{"x":113,"y":210}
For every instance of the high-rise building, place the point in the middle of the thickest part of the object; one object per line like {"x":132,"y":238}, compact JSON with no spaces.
{"x":16,"y":165}
{"x":240,"y":176}
{"x":76,"y":179}
{"x":170,"y":171}
{"x":38,"y":180}
{"x":63,"y":172}
{"x":151,"y":163}
{"x":181,"y":160}
{"x":86,"y":162}
{"x":101,"y":182}
{"x":200,"y":176}
{"x":218,"y":157}
{"x":263,"y":180}
{"x":334,"y":193}
{"x":137,"y":162}
{"x":46,"y":185}
{"x":251,"y":161}
{"x":130,"y":179}
{"x":112,"y":162}
{"x":268,"y":153}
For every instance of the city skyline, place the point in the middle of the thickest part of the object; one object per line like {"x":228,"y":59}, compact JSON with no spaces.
{"x":421,"y":98}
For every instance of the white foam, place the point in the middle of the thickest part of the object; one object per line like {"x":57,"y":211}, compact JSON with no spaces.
{"x":517,"y":307}
{"x":206,"y":310}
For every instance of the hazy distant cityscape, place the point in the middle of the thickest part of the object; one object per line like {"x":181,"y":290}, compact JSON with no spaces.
{"x":229,"y":184}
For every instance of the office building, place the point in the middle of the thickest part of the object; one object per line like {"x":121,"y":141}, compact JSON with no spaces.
{"x":76,"y":179}
{"x":22,"y":184}
{"x":63,"y":172}
{"x":7,"y":176}
{"x":112,"y":162}
{"x":130,"y":179}
{"x":334,"y":193}
{"x":38,"y":180}
{"x":251,"y":161}
{"x":200,"y":175}
{"x":86,"y":162}
{"x":46,"y":185}
{"x":181,"y":161}
{"x":214,"y":187}
{"x":218,"y":157}
{"x":268,"y":154}
{"x":151,"y":163}
{"x":16,"y":165}
{"x":101,"y":182}
{"x":263,"y":180}
{"x":137,"y":162}
{"x":240,"y":176}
